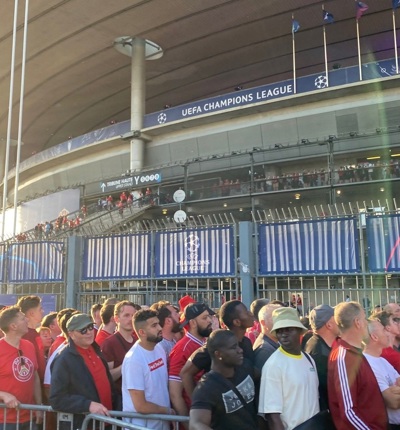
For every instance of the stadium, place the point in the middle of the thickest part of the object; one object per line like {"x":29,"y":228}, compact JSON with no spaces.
{"x":278,"y":120}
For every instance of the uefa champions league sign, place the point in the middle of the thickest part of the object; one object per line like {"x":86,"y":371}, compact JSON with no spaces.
{"x":270,"y":92}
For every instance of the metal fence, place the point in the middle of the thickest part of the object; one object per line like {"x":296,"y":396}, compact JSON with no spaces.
{"x":64,"y":420}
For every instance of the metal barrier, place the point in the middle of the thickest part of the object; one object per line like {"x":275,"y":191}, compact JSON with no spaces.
{"x":17,"y":424}
{"x":99,"y":421}
{"x":117,"y":424}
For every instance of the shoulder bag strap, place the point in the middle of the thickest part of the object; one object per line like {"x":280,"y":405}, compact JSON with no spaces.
{"x":309,"y":359}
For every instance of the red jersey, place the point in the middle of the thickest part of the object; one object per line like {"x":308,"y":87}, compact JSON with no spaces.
{"x":101,"y":336}
{"x":180,"y":354}
{"x":34,"y":337}
{"x":253,"y":332}
{"x":17,"y":376}
{"x":57,"y":342}
{"x":392,"y":356}
{"x":355,"y":400}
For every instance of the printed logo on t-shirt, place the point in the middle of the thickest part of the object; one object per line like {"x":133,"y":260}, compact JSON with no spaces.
{"x":231,"y":400}
{"x":156,"y":364}
{"x":23,"y":369}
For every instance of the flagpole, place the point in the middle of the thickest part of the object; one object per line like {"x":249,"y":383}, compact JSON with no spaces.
{"x":21,"y":110}
{"x":10,"y":105}
{"x":325,"y":53}
{"x":395,"y":40}
{"x":294,"y":58}
{"x":359,"y":51}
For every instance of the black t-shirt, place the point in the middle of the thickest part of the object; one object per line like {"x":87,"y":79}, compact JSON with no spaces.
{"x":227,"y":410}
{"x":202,"y":360}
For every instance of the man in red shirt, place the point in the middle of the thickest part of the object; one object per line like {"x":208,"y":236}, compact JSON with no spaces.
{"x":198,"y":323}
{"x":31,"y":306}
{"x":118,"y":344}
{"x":355,"y":400}
{"x":392,"y":327}
{"x":19,"y":379}
{"x":109,"y":325}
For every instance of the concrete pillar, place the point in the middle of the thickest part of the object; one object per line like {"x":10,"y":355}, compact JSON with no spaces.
{"x":73,"y":273}
{"x":138,"y":97}
{"x":246,"y":261}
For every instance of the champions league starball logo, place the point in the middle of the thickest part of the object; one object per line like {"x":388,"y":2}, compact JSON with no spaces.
{"x":191,"y":261}
{"x":192,"y":244}
{"x":321,"y":82}
{"x":162,"y":118}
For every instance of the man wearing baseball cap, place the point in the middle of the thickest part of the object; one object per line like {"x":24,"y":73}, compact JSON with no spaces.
{"x":325,"y":331}
{"x":197,"y":322}
{"x":80,"y":379}
{"x":289,"y":381}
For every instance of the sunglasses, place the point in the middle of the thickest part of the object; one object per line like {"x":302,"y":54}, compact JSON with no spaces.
{"x":90,"y":327}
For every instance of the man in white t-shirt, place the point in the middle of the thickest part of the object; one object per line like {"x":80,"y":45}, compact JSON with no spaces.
{"x":387,"y":376}
{"x":145,"y":373}
{"x":289,"y":381}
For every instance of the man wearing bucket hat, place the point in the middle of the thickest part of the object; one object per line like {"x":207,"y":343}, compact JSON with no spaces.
{"x":289,"y":374}
{"x":80,"y":379}
{"x":325,"y":331}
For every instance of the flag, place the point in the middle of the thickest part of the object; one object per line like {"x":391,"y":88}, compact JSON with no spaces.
{"x":328,"y":17}
{"x":295,"y":26}
{"x":360,"y":9}
{"x":395,"y":4}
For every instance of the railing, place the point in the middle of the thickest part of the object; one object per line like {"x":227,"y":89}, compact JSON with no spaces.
{"x":32,"y":409}
{"x":126,"y":425}
{"x":115,"y":418}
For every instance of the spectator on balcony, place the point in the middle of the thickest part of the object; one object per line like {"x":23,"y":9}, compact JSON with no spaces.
{"x":84,"y":211}
{"x":110,"y":202}
{"x":123,"y":198}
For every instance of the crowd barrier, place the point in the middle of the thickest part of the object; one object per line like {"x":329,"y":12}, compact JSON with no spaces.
{"x":91,"y":421}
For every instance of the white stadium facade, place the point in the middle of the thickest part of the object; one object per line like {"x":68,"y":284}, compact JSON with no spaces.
{"x":281,"y":128}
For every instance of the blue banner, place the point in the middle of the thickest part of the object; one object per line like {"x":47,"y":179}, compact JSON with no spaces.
{"x":48,"y":301}
{"x":226,"y":102}
{"x":195,"y":253}
{"x":117,"y":257}
{"x":36,"y":262}
{"x":383,"y":240}
{"x":270,"y":92}
{"x":309,"y":247}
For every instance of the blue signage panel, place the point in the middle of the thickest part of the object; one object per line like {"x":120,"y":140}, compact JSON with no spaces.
{"x":117,"y":257}
{"x":195,"y":253}
{"x":265,"y":93}
{"x":36,"y":262}
{"x":383,"y":240}
{"x":128,"y":182}
{"x":48,"y":301}
{"x":226,"y":102}
{"x":309,"y":247}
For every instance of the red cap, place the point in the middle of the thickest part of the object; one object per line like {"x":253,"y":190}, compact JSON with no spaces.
{"x":184,"y":301}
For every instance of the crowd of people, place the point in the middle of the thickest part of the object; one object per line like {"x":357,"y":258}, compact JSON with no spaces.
{"x":259,"y":369}
{"x":307,"y":178}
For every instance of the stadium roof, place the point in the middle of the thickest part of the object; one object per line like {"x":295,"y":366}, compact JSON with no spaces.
{"x":76,"y":81}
